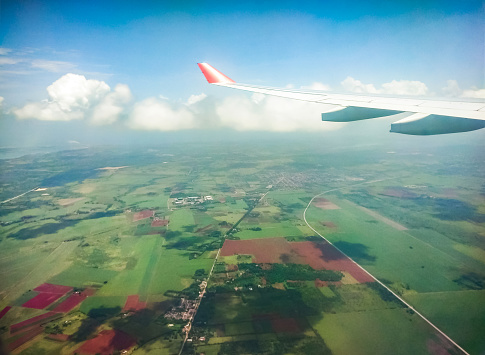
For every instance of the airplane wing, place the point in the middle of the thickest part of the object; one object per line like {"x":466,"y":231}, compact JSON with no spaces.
{"x":424,"y":117}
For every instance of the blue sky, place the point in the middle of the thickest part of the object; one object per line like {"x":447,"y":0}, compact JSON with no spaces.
{"x":139,"y":58}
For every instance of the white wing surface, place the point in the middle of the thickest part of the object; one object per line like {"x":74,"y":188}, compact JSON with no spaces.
{"x":425,"y":117}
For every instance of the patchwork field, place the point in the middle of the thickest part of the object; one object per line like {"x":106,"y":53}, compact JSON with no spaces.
{"x":108,"y":262}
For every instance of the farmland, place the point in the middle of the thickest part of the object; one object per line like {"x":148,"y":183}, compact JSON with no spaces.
{"x":127,"y":245}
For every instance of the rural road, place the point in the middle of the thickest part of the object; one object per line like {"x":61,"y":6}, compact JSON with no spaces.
{"x":387,"y":288}
{"x":189,"y":325}
{"x":13,"y":198}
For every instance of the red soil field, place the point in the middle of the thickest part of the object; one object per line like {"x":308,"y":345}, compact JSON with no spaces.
{"x":133,"y":304}
{"x":50,"y":288}
{"x":138,"y":216}
{"x":71,"y":302}
{"x":267,"y":250}
{"x":107,"y":342}
{"x":325,"y":256}
{"x":160,"y":222}
{"x":89,"y":291}
{"x":4,"y":311}
{"x":25,"y":338}
{"x":325,"y":204}
{"x":285,"y":325}
{"x":42,"y":300}
{"x":43,"y":318}
{"x":320,"y":256}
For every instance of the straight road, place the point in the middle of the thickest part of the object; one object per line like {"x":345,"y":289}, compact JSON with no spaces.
{"x":387,"y":288}
{"x":13,"y":198}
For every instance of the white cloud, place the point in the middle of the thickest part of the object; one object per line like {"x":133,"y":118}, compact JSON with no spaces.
{"x":155,"y":114}
{"x":112,"y":105}
{"x":269,"y":113}
{"x":405,"y":87}
{"x":8,"y":60}
{"x":1,"y":101}
{"x":4,"y":51}
{"x":318,"y":87}
{"x":474,"y":93}
{"x":195,"y":98}
{"x":47,"y":111}
{"x":74,"y":97}
{"x":395,"y":87}
{"x":354,"y":85}
{"x":53,"y":65}
{"x":74,"y":91}
{"x":452,"y":88}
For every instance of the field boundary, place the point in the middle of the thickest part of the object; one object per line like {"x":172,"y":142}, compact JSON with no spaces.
{"x":382,"y":284}
{"x":189,"y":325}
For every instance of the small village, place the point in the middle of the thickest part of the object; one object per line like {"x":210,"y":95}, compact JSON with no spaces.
{"x":191,"y":200}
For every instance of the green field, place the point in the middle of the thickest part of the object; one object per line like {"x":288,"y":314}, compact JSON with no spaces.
{"x":390,"y":331}
{"x":459,"y":314}
{"x":415,"y":221}
{"x":174,"y":271}
{"x":387,"y":253}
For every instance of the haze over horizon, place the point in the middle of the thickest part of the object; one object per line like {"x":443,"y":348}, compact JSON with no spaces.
{"x":113,"y":72}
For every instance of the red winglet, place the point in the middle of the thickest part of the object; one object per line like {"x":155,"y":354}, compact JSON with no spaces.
{"x":212,"y":75}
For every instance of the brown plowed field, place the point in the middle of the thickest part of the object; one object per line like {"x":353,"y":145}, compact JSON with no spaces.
{"x":32,"y":333}
{"x":325,"y":204}
{"x":4,"y":311}
{"x":42,"y":300}
{"x":50,"y":288}
{"x":320,"y":256}
{"x":267,"y":250}
{"x":285,"y":325}
{"x":43,"y":318}
{"x":325,"y":256}
{"x":107,"y":342}
{"x":160,"y":222}
{"x":134,"y":304}
{"x":138,"y":216}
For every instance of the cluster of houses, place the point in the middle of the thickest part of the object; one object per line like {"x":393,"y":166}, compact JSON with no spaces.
{"x":191,"y":200}
{"x":187,"y":308}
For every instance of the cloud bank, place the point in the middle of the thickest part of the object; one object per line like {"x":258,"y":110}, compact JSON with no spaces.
{"x":452,"y":89}
{"x":395,"y":87}
{"x":73,"y":97}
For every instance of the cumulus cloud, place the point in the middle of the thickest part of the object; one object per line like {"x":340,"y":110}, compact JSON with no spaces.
{"x":52,"y":65}
{"x":354,"y":85}
{"x":74,"y":97}
{"x":269,"y":113}
{"x":405,"y":87}
{"x":112,"y":105}
{"x":395,"y":87}
{"x":1,"y":101}
{"x":453,"y":89}
{"x":160,"y":115}
{"x":474,"y":93}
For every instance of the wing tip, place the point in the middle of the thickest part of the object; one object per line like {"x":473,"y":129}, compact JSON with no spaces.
{"x":213,"y":75}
